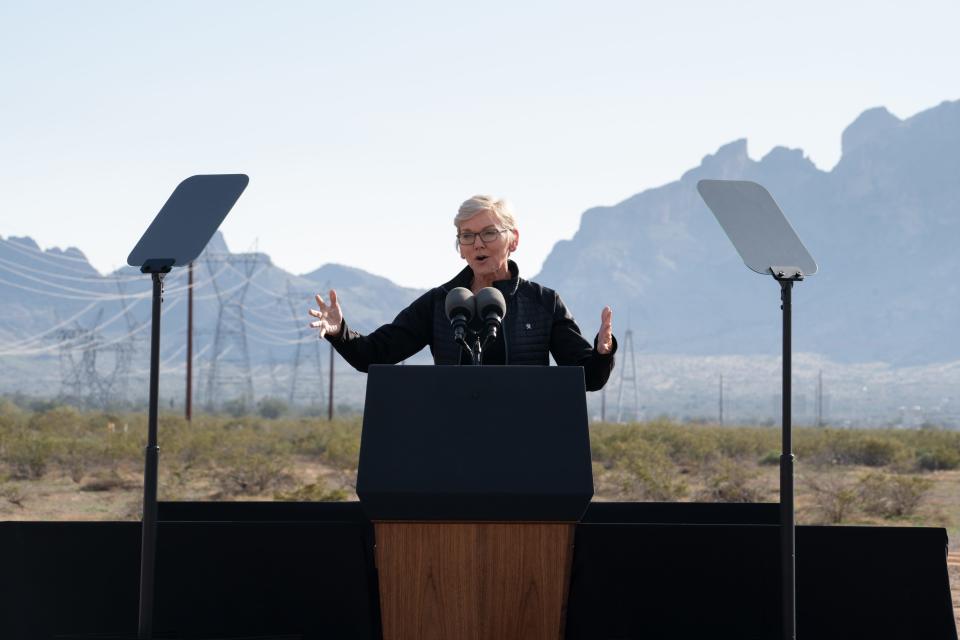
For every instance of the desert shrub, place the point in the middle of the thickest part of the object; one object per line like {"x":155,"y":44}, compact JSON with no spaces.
{"x":892,"y":495}
{"x":13,"y":493}
{"x":250,"y":460}
{"x":746,"y":443}
{"x":939,"y":458}
{"x":119,"y":448}
{"x":601,"y":443}
{"x":649,"y":473}
{"x":851,"y":447}
{"x":690,"y":447}
{"x":311,"y":442}
{"x":193,"y":445}
{"x":28,"y":455}
{"x":251,"y":474}
{"x":342,"y":447}
{"x":10,"y":413}
{"x":106,"y":481}
{"x":313,"y":492}
{"x":877,"y":452}
{"x":271,"y":408}
{"x":98,"y":423}
{"x":306,"y":436}
{"x":60,"y":419}
{"x":9,"y":428}
{"x":730,"y":481}
{"x":769,"y":459}
{"x":835,"y":497}
{"x":39,"y":405}
{"x":812,"y":445}
{"x":316,"y":410}
{"x":78,"y":456}
{"x":237,"y":407}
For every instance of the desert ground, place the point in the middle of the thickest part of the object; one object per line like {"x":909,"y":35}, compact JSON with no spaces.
{"x":63,"y":464}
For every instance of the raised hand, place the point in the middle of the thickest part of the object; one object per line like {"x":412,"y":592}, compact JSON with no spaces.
{"x":605,"y":338}
{"x":330,"y":317}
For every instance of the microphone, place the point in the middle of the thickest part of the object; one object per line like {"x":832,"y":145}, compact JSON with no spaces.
{"x":492,"y":308}
{"x":460,"y":306}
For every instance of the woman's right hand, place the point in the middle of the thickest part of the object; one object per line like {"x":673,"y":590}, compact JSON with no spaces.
{"x":329,"y":317}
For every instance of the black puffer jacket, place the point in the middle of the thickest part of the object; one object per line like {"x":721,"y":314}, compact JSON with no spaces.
{"x":537,"y":324}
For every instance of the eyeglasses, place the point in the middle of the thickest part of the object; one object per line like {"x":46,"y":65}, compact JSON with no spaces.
{"x":468,"y":238}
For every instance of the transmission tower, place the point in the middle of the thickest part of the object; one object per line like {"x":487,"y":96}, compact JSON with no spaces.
{"x":229,"y":376}
{"x":94,"y":371}
{"x":631,"y":378}
{"x":114,"y":388}
{"x":276,"y":379}
{"x":77,"y":351}
{"x":306,"y":379}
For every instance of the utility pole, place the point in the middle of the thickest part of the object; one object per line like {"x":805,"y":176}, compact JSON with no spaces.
{"x":603,"y":404}
{"x":820,"y":398}
{"x":188,"y":404}
{"x":721,"y":399}
{"x":330,"y":395}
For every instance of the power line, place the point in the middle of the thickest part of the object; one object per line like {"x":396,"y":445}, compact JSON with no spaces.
{"x":23,"y":342}
{"x":93,"y":278}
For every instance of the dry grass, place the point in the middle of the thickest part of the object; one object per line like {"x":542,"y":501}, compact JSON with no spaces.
{"x":63,"y":464}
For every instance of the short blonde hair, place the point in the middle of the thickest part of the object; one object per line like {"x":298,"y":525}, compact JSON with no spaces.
{"x":498,"y":207}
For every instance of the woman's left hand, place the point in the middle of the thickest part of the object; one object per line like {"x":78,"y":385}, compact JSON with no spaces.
{"x":605,"y":337}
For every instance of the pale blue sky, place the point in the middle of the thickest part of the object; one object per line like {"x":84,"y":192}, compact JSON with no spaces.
{"x":364,"y":125}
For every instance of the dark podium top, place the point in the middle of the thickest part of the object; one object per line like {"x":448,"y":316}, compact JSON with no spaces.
{"x":495,"y":443}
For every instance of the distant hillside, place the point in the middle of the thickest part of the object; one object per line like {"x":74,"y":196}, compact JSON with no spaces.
{"x":65,"y":329}
{"x":881,"y":312}
{"x":882,"y":226}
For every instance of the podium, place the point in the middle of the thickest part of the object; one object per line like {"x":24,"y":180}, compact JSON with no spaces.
{"x":474,"y":478}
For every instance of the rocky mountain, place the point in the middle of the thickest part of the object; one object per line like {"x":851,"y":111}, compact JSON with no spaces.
{"x":882,"y":226}
{"x":877,"y":319}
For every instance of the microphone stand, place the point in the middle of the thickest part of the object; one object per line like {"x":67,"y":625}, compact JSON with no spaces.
{"x":474,"y":355}
{"x":490,"y":334}
{"x":491,"y":324}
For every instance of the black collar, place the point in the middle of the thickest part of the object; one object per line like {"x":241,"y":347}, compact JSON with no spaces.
{"x":506,"y":287}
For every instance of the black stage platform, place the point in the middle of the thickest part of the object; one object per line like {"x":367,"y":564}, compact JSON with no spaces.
{"x":306,"y":571}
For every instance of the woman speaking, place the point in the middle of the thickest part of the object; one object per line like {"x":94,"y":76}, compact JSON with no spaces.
{"x":535,"y":325}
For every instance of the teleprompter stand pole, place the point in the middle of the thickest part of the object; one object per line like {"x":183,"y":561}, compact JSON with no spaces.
{"x":177,"y":235}
{"x":787,"y":513}
{"x":148,"y":546}
{"x":763,"y":237}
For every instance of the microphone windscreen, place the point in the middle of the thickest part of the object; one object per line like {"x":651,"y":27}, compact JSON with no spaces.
{"x":490,"y":299}
{"x":460,"y":300}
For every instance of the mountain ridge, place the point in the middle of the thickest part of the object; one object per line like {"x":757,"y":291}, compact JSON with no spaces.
{"x":882,"y":219}
{"x":881,"y":224}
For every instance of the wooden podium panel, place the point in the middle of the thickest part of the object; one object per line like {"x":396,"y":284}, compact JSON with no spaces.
{"x":473,"y":580}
